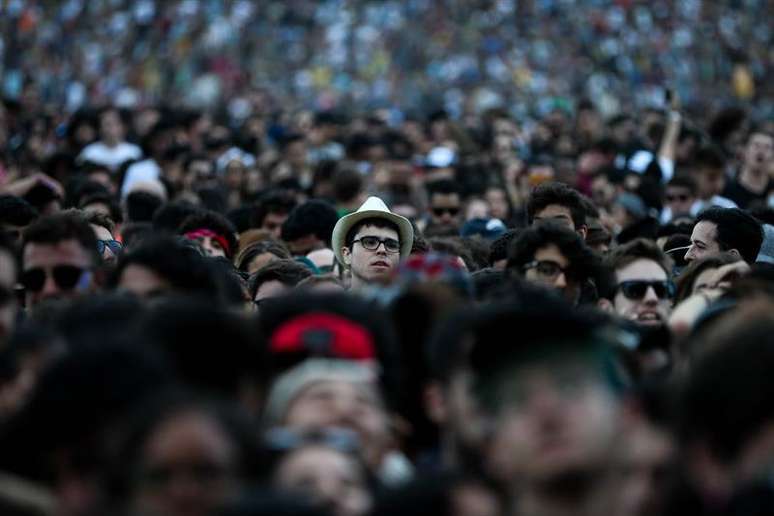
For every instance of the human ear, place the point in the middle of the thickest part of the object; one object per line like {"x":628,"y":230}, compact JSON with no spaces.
{"x":347,"y":255}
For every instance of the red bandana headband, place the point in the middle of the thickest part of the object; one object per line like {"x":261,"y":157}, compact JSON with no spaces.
{"x":196,"y":234}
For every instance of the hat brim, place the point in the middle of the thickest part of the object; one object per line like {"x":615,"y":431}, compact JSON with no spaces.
{"x":344,"y":224}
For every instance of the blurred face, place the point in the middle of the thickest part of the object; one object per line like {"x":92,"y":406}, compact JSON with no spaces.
{"x":710,"y":182}
{"x":704,"y":241}
{"x":703,"y":281}
{"x":556,"y":212}
{"x":445,"y":208}
{"x":759,"y":152}
{"x":498,"y":203}
{"x":272,"y":223}
{"x":556,"y":418}
{"x":549,"y":268}
{"x":188,"y":468}
{"x":259,"y":261}
{"x":643,"y":295}
{"x":56,"y":271}
{"x":346,"y":404}
{"x":210,"y":245}
{"x":143,"y":282}
{"x":102,"y":234}
{"x":269,"y":289}
{"x":679,"y":199}
{"x":111,"y":127}
{"x":328,"y":476}
{"x":369,"y":265}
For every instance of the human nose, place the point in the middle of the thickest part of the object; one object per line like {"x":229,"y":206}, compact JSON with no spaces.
{"x":690,"y":255}
{"x":650,"y":295}
{"x":560,"y":281}
{"x":49,"y":286}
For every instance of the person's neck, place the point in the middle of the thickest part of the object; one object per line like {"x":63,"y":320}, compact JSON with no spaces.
{"x":574,"y":494}
{"x":111,"y":143}
{"x":754,"y":179}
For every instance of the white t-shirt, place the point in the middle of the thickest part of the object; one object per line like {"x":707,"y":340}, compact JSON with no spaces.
{"x":111,"y":157}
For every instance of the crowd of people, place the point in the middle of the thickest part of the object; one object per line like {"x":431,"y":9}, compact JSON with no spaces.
{"x":293,"y":304}
{"x":526,"y":55}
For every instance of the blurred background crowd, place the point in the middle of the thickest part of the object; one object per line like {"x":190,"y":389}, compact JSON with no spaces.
{"x":365,"y":258}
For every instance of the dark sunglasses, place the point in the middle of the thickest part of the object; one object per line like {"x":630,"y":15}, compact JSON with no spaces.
{"x":547,"y":268}
{"x":114,"y":245}
{"x":440,"y":211}
{"x":636,"y":289}
{"x":66,"y":277}
{"x":372,"y":243}
{"x":678,"y":197}
{"x":280,"y":439}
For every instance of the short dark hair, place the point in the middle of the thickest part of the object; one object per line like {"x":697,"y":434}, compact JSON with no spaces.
{"x":499,"y":248}
{"x":100,"y":219}
{"x":273,"y":201}
{"x":553,"y":192}
{"x":443,"y":187}
{"x":216,"y":223}
{"x":103,"y":198}
{"x":170,"y":216}
{"x":709,"y":156}
{"x":583,"y":261}
{"x":288,"y":272}
{"x":376,"y":222}
{"x":683,"y":181}
{"x":348,"y":182}
{"x":141,"y":206}
{"x":314,"y":217}
{"x":178,"y":263}
{"x":16,"y":211}
{"x":736,"y":229}
{"x":65,"y":225}
{"x":638,"y":249}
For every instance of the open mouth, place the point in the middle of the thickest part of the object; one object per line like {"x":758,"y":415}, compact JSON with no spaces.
{"x":380,"y":264}
{"x":649,"y":317}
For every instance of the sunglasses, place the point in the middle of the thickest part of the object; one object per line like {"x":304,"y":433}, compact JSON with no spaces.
{"x":372,"y":243}
{"x":440,"y":211}
{"x":677,"y":197}
{"x":636,"y":289}
{"x":281,"y":439}
{"x":547,"y":268}
{"x":114,"y":245}
{"x":66,"y":277}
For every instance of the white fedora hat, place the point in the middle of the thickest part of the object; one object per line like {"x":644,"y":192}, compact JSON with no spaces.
{"x":373,"y":208}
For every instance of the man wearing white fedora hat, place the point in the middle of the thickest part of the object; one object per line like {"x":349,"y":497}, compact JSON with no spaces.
{"x":371,"y":242}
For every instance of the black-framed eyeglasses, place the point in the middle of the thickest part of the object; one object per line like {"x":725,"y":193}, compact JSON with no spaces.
{"x":635,"y":290}
{"x":547,"y":268}
{"x":440,"y":211}
{"x":66,"y":277}
{"x":372,"y":243}
{"x":114,"y":245}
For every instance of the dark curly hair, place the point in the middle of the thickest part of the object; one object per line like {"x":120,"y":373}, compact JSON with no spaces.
{"x":549,"y":193}
{"x":584,"y":263}
{"x":313,"y":217}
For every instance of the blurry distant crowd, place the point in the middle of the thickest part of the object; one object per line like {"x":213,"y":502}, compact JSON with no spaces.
{"x":300,"y":299}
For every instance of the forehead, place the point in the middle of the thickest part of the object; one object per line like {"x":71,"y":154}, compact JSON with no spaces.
{"x":377,"y":232}
{"x":642,"y":269}
{"x":551,"y":252}
{"x":677,"y":189}
{"x":102,"y":233}
{"x":441,"y":199}
{"x":761,"y":139}
{"x":554,"y":211}
{"x":66,"y":252}
{"x":705,"y":231}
